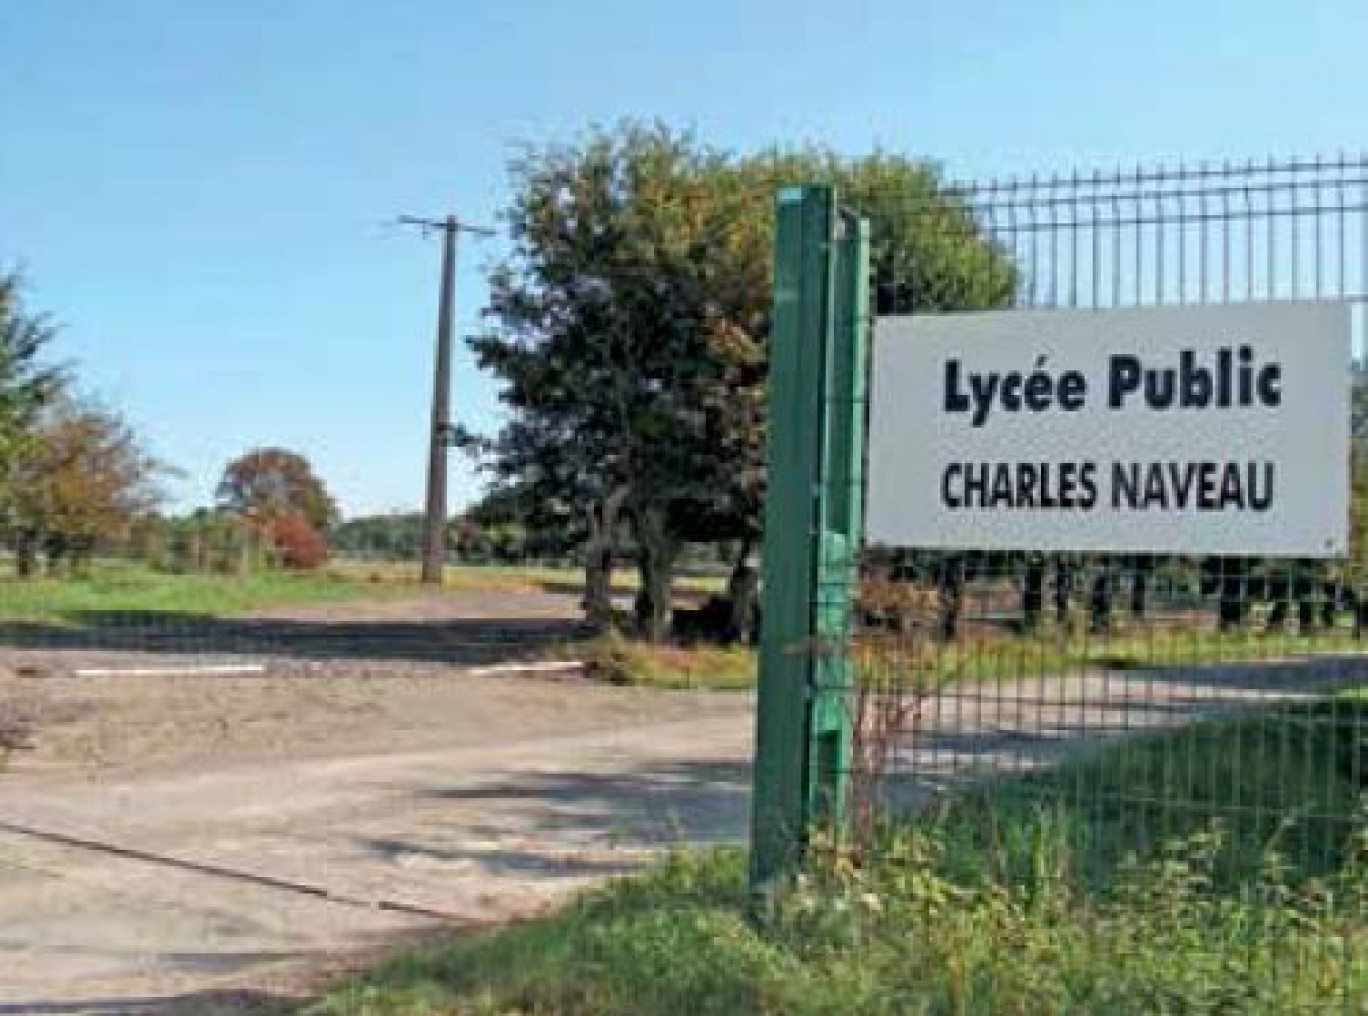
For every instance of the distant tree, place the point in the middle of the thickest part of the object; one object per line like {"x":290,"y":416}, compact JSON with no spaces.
{"x":204,"y":540}
{"x":470,"y":540}
{"x":546,"y":530}
{"x":271,"y":483}
{"x":394,"y":536}
{"x":27,"y":383}
{"x":81,"y":477}
{"x":1358,"y":400}
{"x":299,"y":544}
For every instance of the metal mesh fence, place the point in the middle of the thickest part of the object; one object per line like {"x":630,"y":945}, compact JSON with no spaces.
{"x":1113,"y":725}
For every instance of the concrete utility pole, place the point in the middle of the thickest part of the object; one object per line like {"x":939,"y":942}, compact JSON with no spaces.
{"x":439,"y":440}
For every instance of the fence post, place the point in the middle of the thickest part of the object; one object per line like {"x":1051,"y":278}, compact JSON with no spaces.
{"x":812,"y":524}
{"x":841,"y":524}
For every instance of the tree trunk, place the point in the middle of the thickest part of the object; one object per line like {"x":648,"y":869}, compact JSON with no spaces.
{"x":655,"y":561}
{"x":1233,"y":606}
{"x":951,"y":582}
{"x":1100,"y":600}
{"x":55,"y":553}
{"x":742,"y":586}
{"x":1277,"y":617}
{"x":1331,"y":601}
{"x":1139,"y":592}
{"x":1063,"y":590}
{"x":598,"y":562}
{"x":1306,"y":616}
{"x":243,"y":563}
{"x":598,"y":586}
{"x":25,"y":553}
{"x":1305,"y":588}
{"x":79,"y":559}
{"x":202,"y":551}
{"x":1032,"y":593}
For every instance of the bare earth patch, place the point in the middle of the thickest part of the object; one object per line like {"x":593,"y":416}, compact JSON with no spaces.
{"x":110,"y":726}
{"x":354,"y":677}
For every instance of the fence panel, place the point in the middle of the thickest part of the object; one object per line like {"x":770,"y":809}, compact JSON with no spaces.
{"x":1185,"y":735}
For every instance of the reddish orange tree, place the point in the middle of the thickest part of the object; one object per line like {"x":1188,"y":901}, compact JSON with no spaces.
{"x":297,"y":542}
{"x":278,"y":491}
{"x":269,"y":483}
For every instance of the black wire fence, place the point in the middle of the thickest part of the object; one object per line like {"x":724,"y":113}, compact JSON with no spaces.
{"x":1187,"y":736}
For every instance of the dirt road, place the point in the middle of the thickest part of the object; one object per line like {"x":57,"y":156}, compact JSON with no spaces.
{"x":472,"y":834}
{"x":176,"y":844}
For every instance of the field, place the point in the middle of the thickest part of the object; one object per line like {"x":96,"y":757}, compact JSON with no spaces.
{"x":548,"y":578}
{"x":1084,"y":890}
{"x":118,"y":588}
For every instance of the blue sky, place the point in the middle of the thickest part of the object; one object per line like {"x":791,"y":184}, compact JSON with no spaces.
{"x":199,"y":192}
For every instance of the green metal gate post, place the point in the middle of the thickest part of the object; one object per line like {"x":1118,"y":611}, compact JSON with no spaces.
{"x":841,"y":524}
{"x":813,"y":525}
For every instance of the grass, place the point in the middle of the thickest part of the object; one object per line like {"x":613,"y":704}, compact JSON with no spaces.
{"x":126,"y":587}
{"x":495,"y":578}
{"x":979,"y":657}
{"x":641,"y":664}
{"x":511,"y":578}
{"x":996,"y":655}
{"x":119,"y":587}
{"x":1222,"y":868}
{"x":987,"y":657}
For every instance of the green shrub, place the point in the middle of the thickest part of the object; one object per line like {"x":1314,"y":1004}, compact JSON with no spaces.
{"x":618,"y":660}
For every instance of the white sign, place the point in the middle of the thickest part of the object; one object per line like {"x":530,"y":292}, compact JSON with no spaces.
{"x":1201,"y":430}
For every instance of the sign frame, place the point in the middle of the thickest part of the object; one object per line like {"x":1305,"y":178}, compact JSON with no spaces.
{"x":1068,"y":406}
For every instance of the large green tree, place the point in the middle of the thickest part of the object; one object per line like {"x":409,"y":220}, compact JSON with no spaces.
{"x":27,"y":383}
{"x":627,"y":307}
{"x":630,"y":327}
{"x":82,"y":476}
